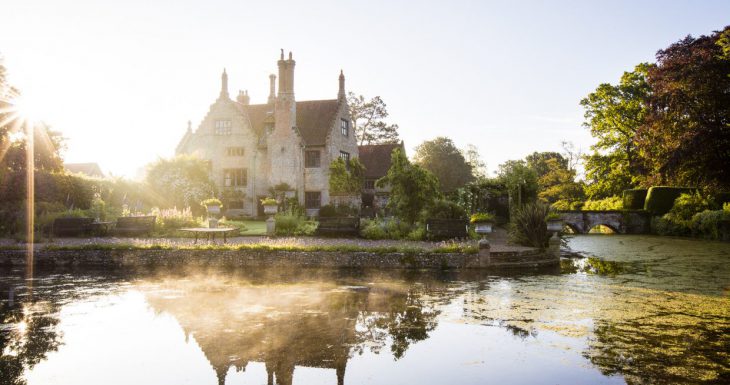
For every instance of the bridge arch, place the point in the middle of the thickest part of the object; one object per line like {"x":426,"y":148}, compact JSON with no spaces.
{"x":621,"y":222}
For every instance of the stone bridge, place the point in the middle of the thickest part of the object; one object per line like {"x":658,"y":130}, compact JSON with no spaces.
{"x":622,"y":222}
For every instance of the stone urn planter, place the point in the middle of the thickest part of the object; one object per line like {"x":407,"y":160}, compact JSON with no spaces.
{"x":215,"y":209}
{"x":212,"y":223}
{"x":554,"y":225}
{"x":270,"y":209}
{"x":483,"y":227}
{"x":212,"y":206}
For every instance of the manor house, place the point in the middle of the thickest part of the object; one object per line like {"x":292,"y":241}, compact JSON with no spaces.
{"x":253,"y":147}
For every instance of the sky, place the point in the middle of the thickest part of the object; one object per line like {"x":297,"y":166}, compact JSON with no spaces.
{"x":121,"y":79}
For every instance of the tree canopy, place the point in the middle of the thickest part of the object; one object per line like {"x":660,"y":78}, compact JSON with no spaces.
{"x":368,"y":119}
{"x":346,"y":178}
{"x":183,"y":181}
{"x":413,"y":188}
{"x":444,"y":160}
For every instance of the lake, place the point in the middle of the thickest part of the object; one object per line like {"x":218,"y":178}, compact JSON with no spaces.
{"x":633,"y":310}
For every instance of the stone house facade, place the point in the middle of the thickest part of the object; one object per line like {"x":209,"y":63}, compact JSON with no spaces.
{"x":283,"y":143}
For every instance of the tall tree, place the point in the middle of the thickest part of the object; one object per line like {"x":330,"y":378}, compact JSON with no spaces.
{"x":412,"y":187}
{"x":443,"y":159}
{"x":614,"y":114}
{"x":685,"y":138}
{"x":182,"y":181}
{"x":540,"y":162}
{"x":558,"y":182}
{"x":478,"y":167}
{"x":368,"y":120}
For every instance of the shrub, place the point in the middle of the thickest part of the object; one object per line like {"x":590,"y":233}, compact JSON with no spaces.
{"x":291,"y":223}
{"x":211,"y":202}
{"x":669,"y":225}
{"x":610,"y":203}
{"x":634,"y":199}
{"x":388,"y":229}
{"x":338,"y":211}
{"x":173,"y":219}
{"x":660,"y":199}
{"x":528,"y":226}
{"x":704,"y":224}
{"x":444,"y":209}
{"x":566,"y":204}
{"x":687,"y":205}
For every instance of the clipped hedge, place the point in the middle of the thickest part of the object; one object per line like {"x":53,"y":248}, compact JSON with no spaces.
{"x":634,"y":199}
{"x":660,"y":199}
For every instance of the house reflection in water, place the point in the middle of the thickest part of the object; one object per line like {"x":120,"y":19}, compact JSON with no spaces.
{"x":285,"y":325}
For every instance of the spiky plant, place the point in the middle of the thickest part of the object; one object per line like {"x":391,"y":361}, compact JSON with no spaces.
{"x":528,"y":226}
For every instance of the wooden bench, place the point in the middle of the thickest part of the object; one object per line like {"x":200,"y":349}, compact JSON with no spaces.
{"x":338,"y":226}
{"x":438,"y":229}
{"x":135,"y":225}
{"x":71,"y":227}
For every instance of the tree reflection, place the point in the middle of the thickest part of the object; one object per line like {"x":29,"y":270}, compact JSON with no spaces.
{"x":27,"y":334}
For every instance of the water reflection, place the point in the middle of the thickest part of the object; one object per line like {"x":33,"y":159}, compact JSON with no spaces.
{"x":627,"y":315}
{"x":316,"y":324}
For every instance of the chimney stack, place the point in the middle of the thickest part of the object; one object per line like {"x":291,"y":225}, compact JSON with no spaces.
{"x":224,"y":86}
{"x":341,"y":94}
{"x":286,"y":75}
{"x":272,"y":89}
{"x":243,"y":97}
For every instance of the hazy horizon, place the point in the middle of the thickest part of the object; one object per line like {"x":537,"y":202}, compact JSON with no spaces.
{"x":121,"y":80}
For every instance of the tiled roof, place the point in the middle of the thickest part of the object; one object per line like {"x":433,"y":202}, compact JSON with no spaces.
{"x":315,"y":118}
{"x":376,"y":158}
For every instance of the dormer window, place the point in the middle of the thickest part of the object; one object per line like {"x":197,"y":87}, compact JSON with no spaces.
{"x":345,"y":127}
{"x":223,"y":127}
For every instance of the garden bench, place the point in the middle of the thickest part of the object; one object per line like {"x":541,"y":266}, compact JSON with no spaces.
{"x":135,"y":225}
{"x":71,"y":227}
{"x":338,"y":225}
{"x":446,"y":228}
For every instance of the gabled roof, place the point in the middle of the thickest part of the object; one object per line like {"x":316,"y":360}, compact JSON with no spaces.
{"x":89,"y":169}
{"x":315,"y":118}
{"x":376,"y":158}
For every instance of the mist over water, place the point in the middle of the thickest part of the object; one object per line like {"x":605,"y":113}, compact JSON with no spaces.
{"x":635,"y":310}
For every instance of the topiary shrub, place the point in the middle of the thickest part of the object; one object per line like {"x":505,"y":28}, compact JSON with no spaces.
{"x":660,"y":199}
{"x":634,"y":199}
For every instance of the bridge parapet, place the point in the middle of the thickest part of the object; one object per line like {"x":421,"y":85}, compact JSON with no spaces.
{"x":620,"y":221}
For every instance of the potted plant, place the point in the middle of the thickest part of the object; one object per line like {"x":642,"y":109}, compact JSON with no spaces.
{"x":270,"y":205}
{"x":554,"y":222}
{"x":213,"y":205}
{"x":482,"y":222}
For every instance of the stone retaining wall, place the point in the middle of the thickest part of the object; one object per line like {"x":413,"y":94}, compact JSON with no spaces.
{"x":273,"y":258}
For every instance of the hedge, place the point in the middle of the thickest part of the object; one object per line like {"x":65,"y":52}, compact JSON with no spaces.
{"x":660,"y":199}
{"x":634,"y":199}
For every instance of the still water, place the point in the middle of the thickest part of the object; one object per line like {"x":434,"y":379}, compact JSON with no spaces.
{"x":635,"y":310}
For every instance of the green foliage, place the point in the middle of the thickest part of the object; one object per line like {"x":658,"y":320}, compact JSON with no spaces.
{"x":704,"y":224}
{"x":553,"y":216}
{"x":484,"y":195}
{"x":566,"y":205}
{"x":172,"y":219}
{"x":634,"y":199}
{"x":614,"y":114}
{"x":412,"y":188}
{"x":557,"y":182}
{"x":528,"y":226}
{"x":445,"y":161}
{"x":444,"y":209}
{"x":368,"y":120}
{"x":660,"y":199}
{"x":520,"y":179}
{"x":390,"y":228}
{"x":687,"y":205}
{"x":181,"y":181}
{"x":481,"y":218}
{"x":346,"y":178}
{"x":610,"y":203}
{"x":338,"y":211}
{"x":289,"y":223}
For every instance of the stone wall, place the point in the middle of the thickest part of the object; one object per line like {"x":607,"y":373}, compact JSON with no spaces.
{"x":255,"y":258}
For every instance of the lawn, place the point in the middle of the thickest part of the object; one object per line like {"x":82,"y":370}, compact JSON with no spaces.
{"x":249,"y":227}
